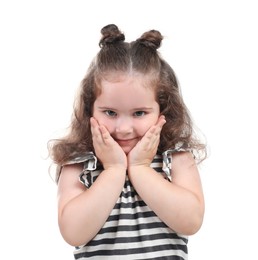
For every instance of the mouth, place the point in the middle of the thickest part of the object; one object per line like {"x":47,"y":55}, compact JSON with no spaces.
{"x":123,"y":142}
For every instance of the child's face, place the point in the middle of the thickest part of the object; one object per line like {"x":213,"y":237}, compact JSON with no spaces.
{"x":127,"y":109}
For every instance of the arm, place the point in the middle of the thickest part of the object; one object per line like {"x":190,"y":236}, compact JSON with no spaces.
{"x":179,"y":204}
{"x":82,"y":212}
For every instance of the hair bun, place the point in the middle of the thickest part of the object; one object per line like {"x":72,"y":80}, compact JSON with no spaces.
{"x":110,"y":35}
{"x":151,"y":39}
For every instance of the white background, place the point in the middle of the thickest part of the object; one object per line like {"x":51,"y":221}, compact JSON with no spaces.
{"x":45,"y":49}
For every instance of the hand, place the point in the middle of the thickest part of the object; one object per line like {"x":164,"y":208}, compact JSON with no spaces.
{"x":106,"y":148}
{"x":145,"y":150}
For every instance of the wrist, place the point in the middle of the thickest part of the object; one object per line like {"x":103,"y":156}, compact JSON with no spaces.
{"x":115,"y":167}
{"x":137,"y":168}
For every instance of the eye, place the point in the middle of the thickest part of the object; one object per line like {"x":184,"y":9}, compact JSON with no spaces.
{"x":139,"y":113}
{"x":110,"y":113}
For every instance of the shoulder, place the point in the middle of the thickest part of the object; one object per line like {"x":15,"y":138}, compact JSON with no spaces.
{"x":180,"y":156}
{"x":184,"y":164}
{"x":82,"y":158}
{"x":185,"y":172}
{"x":183,"y":159}
{"x":72,"y":168}
{"x":70,"y":174}
{"x":70,"y":171}
{"x":81,"y":162}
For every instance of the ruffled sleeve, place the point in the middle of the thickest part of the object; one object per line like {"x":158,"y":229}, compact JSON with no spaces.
{"x":167,"y":159}
{"x":89,"y":161}
{"x":90,"y":164}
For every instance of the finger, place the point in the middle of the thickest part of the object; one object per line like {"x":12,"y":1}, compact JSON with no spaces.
{"x":105,"y":134}
{"x":96,"y":132}
{"x":94,"y":123}
{"x":156,"y":130}
{"x":151,"y":138}
{"x":161,"y":121}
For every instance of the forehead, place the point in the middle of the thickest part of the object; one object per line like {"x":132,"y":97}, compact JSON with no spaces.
{"x":128,"y":82}
{"x":126,"y":90}
{"x":127,"y":79}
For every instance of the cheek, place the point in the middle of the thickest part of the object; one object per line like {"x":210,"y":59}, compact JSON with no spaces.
{"x":108,"y":124}
{"x":103,"y":120}
{"x":142,"y":128}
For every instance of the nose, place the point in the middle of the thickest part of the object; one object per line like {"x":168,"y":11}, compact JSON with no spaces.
{"x":124,"y":125}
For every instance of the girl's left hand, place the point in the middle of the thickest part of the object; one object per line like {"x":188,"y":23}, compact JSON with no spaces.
{"x":145,"y":150}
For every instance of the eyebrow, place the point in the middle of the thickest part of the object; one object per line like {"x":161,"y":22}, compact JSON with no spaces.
{"x":143,"y":108}
{"x":135,"y":109}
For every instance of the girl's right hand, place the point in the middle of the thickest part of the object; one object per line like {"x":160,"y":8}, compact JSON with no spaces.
{"x":106,"y":148}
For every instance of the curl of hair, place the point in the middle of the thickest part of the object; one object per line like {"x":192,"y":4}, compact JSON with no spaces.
{"x":179,"y":128}
{"x":79,"y":138}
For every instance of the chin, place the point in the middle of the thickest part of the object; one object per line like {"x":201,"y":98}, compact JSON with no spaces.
{"x":127,"y":150}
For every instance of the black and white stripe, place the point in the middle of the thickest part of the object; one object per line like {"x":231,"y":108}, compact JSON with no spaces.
{"x":133,"y":230}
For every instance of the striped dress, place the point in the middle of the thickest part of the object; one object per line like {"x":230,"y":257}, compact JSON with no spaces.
{"x":133,"y":230}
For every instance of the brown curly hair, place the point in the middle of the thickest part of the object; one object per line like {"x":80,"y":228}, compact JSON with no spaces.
{"x":140,"y":56}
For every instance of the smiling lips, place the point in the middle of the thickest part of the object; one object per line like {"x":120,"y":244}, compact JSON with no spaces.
{"x":122,"y":142}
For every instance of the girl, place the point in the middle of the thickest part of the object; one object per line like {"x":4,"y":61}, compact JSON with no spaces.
{"x":128,"y":182}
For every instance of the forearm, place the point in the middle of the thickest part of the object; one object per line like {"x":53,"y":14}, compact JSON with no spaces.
{"x":176,"y":206}
{"x":83,"y":216}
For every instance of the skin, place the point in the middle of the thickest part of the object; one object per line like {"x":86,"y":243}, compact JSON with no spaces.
{"x":126,"y":126}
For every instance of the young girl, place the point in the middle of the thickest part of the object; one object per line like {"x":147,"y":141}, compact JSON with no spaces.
{"x":128,"y":182}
